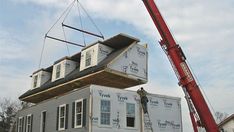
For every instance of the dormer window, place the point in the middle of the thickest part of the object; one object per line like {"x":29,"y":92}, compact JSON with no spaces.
{"x":93,"y":55}
{"x":40,"y":77}
{"x":63,"y":67}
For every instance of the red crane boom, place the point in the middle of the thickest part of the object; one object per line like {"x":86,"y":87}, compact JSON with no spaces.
{"x":183,"y":73}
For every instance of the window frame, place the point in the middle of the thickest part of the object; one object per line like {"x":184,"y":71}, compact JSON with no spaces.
{"x":109,"y":112}
{"x":127,"y":115}
{"x":58,"y":71}
{"x":64,"y":116}
{"x":82,"y":112}
{"x":20,"y":126}
{"x":28,"y":123}
{"x":41,"y":122}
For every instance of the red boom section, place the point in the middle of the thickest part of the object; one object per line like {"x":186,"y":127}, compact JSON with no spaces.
{"x":184,"y":75}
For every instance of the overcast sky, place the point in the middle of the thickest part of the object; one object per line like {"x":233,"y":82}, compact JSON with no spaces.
{"x":204,"y":30}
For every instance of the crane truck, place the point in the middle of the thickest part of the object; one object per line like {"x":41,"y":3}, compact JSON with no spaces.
{"x":200,"y":114}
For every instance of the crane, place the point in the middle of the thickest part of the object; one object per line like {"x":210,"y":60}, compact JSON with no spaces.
{"x":199,"y":111}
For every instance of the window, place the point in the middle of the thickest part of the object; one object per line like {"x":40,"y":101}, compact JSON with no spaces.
{"x":105,"y":112}
{"x":35,"y":81}
{"x":43,"y":121}
{"x":29,"y":123}
{"x":130,"y":115}
{"x":62,"y":111}
{"x":58,"y":70}
{"x":20,"y":124}
{"x":78,"y":113}
{"x":88,"y":58}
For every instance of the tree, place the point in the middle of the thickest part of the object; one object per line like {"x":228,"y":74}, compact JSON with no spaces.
{"x":8,"y":110}
{"x":220,"y":116}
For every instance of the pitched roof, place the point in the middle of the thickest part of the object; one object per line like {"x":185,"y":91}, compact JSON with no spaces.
{"x":226,"y":120}
{"x":119,"y":42}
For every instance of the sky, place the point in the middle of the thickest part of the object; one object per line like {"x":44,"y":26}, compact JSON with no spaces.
{"x":204,"y":30}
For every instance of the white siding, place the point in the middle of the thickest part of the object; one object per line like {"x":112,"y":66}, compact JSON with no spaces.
{"x":133,"y":62}
{"x":69,"y":66}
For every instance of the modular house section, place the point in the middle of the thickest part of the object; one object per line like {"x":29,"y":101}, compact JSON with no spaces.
{"x":96,"y":108}
{"x":119,"y":61}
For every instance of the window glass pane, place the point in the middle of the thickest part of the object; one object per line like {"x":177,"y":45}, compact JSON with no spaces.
{"x":88,"y":58}
{"x":43,"y":121}
{"x":58,"y":68}
{"x":130,"y":122}
{"x":78,"y":107}
{"x":105,"y":118}
{"x":62,"y":122}
{"x":105,"y":112}
{"x":78,"y":119}
{"x":35,"y":81}
{"x":130,"y":115}
{"x":62,"y":111}
{"x":29,"y":119}
{"x":20,"y":125}
{"x":130,"y":110}
{"x":105,"y":106}
{"x":29,"y":128}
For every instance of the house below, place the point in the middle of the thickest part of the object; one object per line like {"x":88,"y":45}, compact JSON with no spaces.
{"x":96,"y":108}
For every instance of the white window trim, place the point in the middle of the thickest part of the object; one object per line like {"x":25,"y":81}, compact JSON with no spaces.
{"x":30,"y":124}
{"x":41,"y":120}
{"x":134,"y":116}
{"x":60,"y":106}
{"x":22,"y":124}
{"x":82,"y":112}
{"x":105,"y":125}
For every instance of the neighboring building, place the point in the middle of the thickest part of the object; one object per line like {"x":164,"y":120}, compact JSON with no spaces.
{"x":227,"y":125}
{"x":96,"y":108}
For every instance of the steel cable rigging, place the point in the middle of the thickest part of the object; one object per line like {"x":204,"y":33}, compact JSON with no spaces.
{"x":84,"y":32}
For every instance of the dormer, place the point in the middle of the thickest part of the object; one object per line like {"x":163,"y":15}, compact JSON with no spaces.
{"x":63,"y":67}
{"x":92,"y":55}
{"x":39,"y":78}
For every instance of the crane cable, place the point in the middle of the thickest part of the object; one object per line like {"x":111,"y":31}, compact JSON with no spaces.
{"x":198,"y":83}
{"x":90,"y":18}
{"x":64,"y":34}
{"x":66,"y":10}
{"x":208,"y":101}
{"x":65,"y":14}
{"x":44,"y":39}
{"x":81,"y":24}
